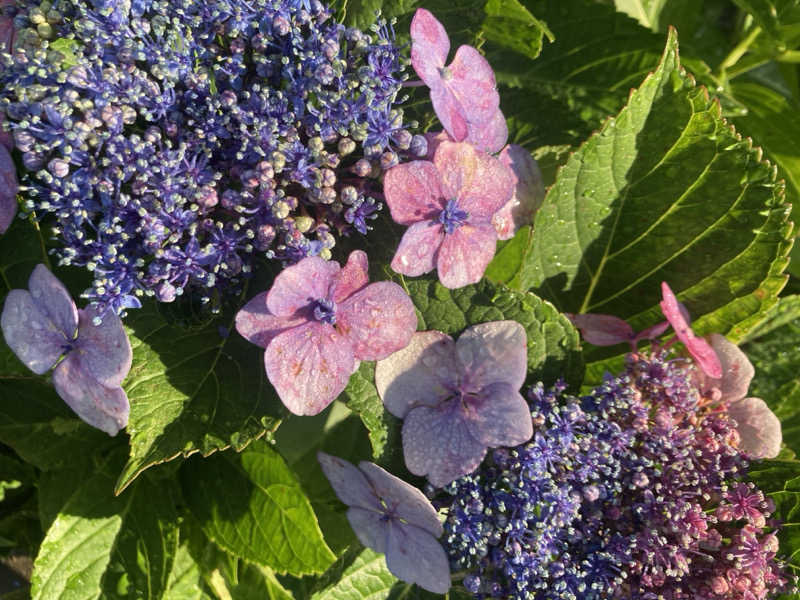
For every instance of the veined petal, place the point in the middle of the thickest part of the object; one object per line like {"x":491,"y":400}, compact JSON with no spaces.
{"x":499,"y":416}
{"x":104,"y":349}
{"x":54,"y":300}
{"x":473,"y":84}
{"x":414,"y":556}
{"x":457,"y":164}
{"x":412,"y":192}
{"x":429,"y":46}
{"x":353,"y":277}
{"x":299,"y":285}
{"x":378,"y":320}
{"x":737,"y":370}
{"x":759,"y":429}
{"x":418,"y":249}
{"x":309,"y":366}
{"x":370,"y":527}
{"x":422,"y":373}
{"x":493,"y":352}
{"x":465,"y":254}
{"x":351,"y":485}
{"x":30,"y":333}
{"x":449,"y":111}
{"x":489,"y":136}
{"x":489,"y":190}
{"x":257,"y":325}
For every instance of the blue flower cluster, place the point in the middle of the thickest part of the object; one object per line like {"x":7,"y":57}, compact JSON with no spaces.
{"x":631,"y":492}
{"x":176,"y":141}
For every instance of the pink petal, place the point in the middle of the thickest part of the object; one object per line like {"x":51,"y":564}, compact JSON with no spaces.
{"x":528,"y":192}
{"x":701,"y":351}
{"x":457,"y":163}
{"x":8,"y":188}
{"x":759,"y":429}
{"x":465,"y":254}
{"x":493,"y":352}
{"x":378,"y":320}
{"x":449,"y":111}
{"x":309,"y":366}
{"x":499,"y":416}
{"x":418,"y":249}
{"x":257,"y":325}
{"x":429,"y":46}
{"x":437,"y":443}
{"x":349,"y":483}
{"x":353,"y":277}
{"x":602,"y":330}
{"x":434,"y":139}
{"x":105,"y":408}
{"x":491,"y":187}
{"x":414,"y":556}
{"x":104,"y":349}
{"x":412,"y":192}
{"x":473,"y":84}
{"x":370,"y":527}
{"x":651,"y":332}
{"x":737,"y":370}
{"x":299,"y":285}
{"x":30,"y":333}
{"x":418,"y":374}
{"x":489,"y":136}
{"x":406,"y":501}
{"x":54,"y":300}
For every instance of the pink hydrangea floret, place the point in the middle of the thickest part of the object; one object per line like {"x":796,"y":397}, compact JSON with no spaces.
{"x":317,"y":321}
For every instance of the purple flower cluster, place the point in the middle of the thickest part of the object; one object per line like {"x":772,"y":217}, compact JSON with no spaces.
{"x":634,"y":491}
{"x":175,"y":141}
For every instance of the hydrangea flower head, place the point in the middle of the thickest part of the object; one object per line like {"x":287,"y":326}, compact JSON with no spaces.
{"x":8,"y":189}
{"x":701,"y":351}
{"x":393,"y":518}
{"x":457,"y":398}
{"x":42,"y":325}
{"x":317,"y":321}
{"x":448,"y":204}
{"x":463,"y":94}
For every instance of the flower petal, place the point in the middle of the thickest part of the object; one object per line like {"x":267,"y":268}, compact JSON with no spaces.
{"x":528,"y":192}
{"x":465,"y":254}
{"x":105,"y":349}
{"x":412,"y":192}
{"x":491,"y":187}
{"x":309,"y":366}
{"x":418,"y":249}
{"x":378,"y":320}
{"x":418,"y":374}
{"x":30,"y":334}
{"x":737,"y":370}
{"x":456,"y":163}
{"x":406,"y":501}
{"x":437,"y":443}
{"x":6,"y":27}
{"x":370,"y":527}
{"x":351,"y":485}
{"x":299,"y":285}
{"x":257,"y":325}
{"x":759,"y":429}
{"x":449,"y":111}
{"x":414,"y":556}
{"x":499,"y":416}
{"x":353,"y":277}
{"x":489,"y":136}
{"x":434,"y":140}
{"x":602,"y":330}
{"x":105,"y":408}
{"x":54,"y":300}
{"x":473,"y":84}
{"x":8,"y":188}
{"x":429,"y":46}
{"x":493,"y":352}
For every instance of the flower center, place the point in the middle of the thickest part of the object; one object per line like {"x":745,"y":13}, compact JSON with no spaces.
{"x":452,"y":217}
{"x":445,"y":73}
{"x":325,"y":311}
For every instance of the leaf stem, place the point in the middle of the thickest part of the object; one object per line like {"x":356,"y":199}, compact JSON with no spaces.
{"x":739,"y":50}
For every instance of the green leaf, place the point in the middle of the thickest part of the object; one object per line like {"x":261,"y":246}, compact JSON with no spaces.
{"x":660,"y":14}
{"x":251,"y":505}
{"x":785,"y":311}
{"x":775,"y":357}
{"x":666,"y":191}
{"x":192,"y":391}
{"x":185,"y":580}
{"x":14,"y":475}
{"x":362,"y":398}
{"x":360,"y":574}
{"x":777,"y":18}
{"x":254,"y":582}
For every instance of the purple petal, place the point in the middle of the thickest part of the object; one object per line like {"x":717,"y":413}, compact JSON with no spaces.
{"x":6,"y":140}
{"x":257,"y":325}
{"x":493,"y":352}
{"x":418,"y":249}
{"x":651,"y":332}
{"x":473,"y":84}
{"x":8,"y":189}
{"x":404,"y":500}
{"x":378,"y":320}
{"x":429,"y":47}
{"x":54,"y":300}
{"x":528,"y":192}
{"x":6,"y":27}
{"x":434,"y":140}
{"x":350,"y":484}
{"x":499,"y":416}
{"x":353,"y":277}
{"x":105,"y":350}
{"x":465,"y":254}
{"x":418,"y":374}
{"x":370,"y":527}
{"x":737,"y":370}
{"x":602,"y":330}
{"x":491,"y":187}
{"x":759,"y":429}
{"x":414,"y":556}
{"x":105,"y":408}
{"x":489,"y":136}
{"x":412,"y":192}
{"x":449,"y":111}
{"x":30,"y":334}
{"x":437,"y":443}
{"x":299,"y":285}
{"x":309,"y":366}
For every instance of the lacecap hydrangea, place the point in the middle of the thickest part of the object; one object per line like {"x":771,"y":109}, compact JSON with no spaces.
{"x":173,"y":142}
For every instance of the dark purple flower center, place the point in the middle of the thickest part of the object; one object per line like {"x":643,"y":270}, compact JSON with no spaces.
{"x":445,"y":73}
{"x":325,"y":311}
{"x":452,"y":217}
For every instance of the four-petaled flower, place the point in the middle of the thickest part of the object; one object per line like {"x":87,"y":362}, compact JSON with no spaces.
{"x":457,"y":398}
{"x":394,"y":518}
{"x":43,"y":325}
{"x":317,"y":321}
{"x":448,"y":204}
